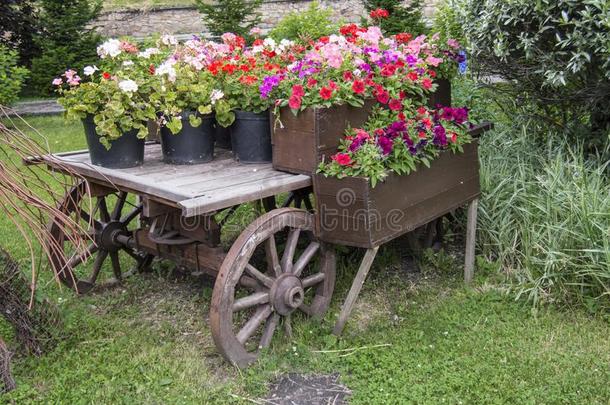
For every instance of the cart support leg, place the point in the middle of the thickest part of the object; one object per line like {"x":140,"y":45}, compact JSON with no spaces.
{"x":354,"y":291}
{"x":471,"y":231}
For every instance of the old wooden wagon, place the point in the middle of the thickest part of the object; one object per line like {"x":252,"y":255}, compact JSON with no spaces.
{"x":282,"y":263}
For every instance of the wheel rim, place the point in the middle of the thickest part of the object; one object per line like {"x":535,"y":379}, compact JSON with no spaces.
{"x":250,"y":302}
{"x":111,"y":216}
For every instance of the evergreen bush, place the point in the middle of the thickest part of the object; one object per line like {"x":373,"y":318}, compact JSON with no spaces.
{"x":236,"y":16}
{"x":402,"y":17}
{"x":304,"y":26}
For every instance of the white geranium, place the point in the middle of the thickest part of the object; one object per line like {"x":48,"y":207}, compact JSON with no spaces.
{"x":216,"y":95}
{"x":127,"y":63}
{"x":167,"y":68}
{"x":269,"y":42}
{"x":89,"y":70}
{"x":111,"y":48}
{"x":148,"y":52}
{"x":169,"y":40}
{"x":128,"y":86}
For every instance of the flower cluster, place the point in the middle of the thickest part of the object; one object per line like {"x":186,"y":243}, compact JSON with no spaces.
{"x":406,"y":139}
{"x":379,"y":14}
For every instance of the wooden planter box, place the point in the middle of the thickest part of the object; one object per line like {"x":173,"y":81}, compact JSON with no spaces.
{"x":302,"y":142}
{"x":351,"y":212}
{"x":305,"y":140}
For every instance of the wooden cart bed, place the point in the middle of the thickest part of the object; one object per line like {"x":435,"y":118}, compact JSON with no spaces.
{"x":196,"y":189}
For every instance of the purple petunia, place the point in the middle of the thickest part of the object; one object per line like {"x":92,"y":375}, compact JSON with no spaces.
{"x":269,"y":83}
{"x":440,"y":136}
{"x":385,"y":144}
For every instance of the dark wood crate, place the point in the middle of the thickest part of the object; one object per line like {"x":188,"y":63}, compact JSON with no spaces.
{"x":442,"y":95}
{"x":351,"y":212}
{"x":302,"y":142}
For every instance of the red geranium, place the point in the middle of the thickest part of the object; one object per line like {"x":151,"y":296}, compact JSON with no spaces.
{"x":358,"y":87}
{"x":326,"y":93}
{"x":249,"y":80}
{"x":379,"y":13}
{"x":403,"y":37}
{"x":106,"y":75}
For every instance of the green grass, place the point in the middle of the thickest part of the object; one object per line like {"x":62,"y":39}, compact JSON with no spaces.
{"x":149,"y":341}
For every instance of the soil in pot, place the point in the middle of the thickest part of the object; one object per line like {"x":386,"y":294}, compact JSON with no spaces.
{"x":126,"y":151}
{"x":192,"y":145}
{"x":251,"y":137}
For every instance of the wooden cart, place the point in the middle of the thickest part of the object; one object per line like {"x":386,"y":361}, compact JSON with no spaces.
{"x":277,"y":266}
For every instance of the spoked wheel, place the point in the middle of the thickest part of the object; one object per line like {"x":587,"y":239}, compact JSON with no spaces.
{"x":108,"y":221}
{"x":262,"y":285}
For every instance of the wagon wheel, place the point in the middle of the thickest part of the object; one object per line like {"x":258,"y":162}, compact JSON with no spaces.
{"x":250,"y":301}
{"x":111,"y":216}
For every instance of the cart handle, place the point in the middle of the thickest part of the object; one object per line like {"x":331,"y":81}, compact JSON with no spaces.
{"x":478,"y":130}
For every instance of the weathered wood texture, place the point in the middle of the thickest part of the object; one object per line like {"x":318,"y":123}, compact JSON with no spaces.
{"x":196,"y":189}
{"x":300,"y":143}
{"x":351,"y":212}
{"x":471,"y":233}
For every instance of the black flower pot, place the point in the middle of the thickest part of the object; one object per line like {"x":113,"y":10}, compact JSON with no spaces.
{"x":222,"y":136}
{"x":251,"y":137}
{"x":192,"y":145}
{"x":126,"y":151}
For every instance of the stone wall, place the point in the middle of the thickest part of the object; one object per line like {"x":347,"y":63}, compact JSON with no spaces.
{"x":187,"y":20}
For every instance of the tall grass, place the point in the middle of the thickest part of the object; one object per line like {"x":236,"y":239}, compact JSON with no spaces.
{"x":545,"y":217}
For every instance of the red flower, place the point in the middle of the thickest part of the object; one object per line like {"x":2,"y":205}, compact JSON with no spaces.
{"x":311,"y":82}
{"x":453,"y":137}
{"x":106,"y":75}
{"x":388,"y":70}
{"x":343,"y":159}
{"x":326,"y":93}
{"x":432,"y":73}
{"x":395,"y":104}
{"x":332,"y":85}
{"x":401,"y":116}
{"x":323,"y":40}
{"x":229,"y":68}
{"x":348,"y":76}
{"x":383,"y":97}
{"x":269,"y":54}
{"x":294,"y":102}
{"x":403,"y":37}
{"x":249,"y":80}
{"x":358,"y":87}
{"x":297,"y":90}
{"x":412,"y":76}
{"x":257,"y":42}
{"x":427,"y":123}
{"x":426,"y":83}
{"x":422,"y":110}
{"x":379,"y":13}
{"x":422,"y":134}
{"x":151,"y":69}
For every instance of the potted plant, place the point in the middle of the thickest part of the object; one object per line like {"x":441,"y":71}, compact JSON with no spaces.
{"x":397,"y":173}
{"x":336,"y":84}
{"x":115,"y":111}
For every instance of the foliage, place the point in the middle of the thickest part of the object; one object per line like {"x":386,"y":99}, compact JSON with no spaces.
{"x":398,"y":142}
{"x":237,"y":16}
{"x":18,"y":25}
{"x":64,"y":38}
{"x":545,"y":218}
{"x":11,"y":76}
{"x":555,"y":53}
{"x":401,"y":17}
{"x":305,"y":26}
{"x":446,"y":21}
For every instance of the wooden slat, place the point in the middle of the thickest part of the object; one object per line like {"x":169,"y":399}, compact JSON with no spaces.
{"x":252,"y":191}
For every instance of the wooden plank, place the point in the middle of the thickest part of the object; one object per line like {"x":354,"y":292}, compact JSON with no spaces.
{"x":471,"y":232}
{"x":253,"y":191}
{"x":354,"y":291}
{"x":230,"y":175}
{"x":236,"y":182}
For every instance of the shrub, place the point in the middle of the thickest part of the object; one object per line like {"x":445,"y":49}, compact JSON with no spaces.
{"x":307,"y":25}
{"x":555,"y":53}
{"x":545,"y":217}
{"x":65,"y":40}
{"x":446,"y":22}
{"x":401,"y":18}
{"x":236,"y":16}
{"x":11,"y":76}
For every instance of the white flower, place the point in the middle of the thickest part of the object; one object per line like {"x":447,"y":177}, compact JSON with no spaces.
{"x":148,"y":52}
{"x":89,"y":70}
{"x":216,"y":95}
{"x":111,"y":48}
{"x":167,"y":68}
{"x":128,"y":86}
{"x":269,"y":42}
{"x":127,"y":63}
{"x":169,"y":40}
{"x":257,"y":49}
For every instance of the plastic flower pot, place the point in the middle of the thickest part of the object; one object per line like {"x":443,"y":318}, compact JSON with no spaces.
{"x":192,"y":145}
{"x":126,"y":151}
{"x":222,"y":136}
{"x":251,"y":137}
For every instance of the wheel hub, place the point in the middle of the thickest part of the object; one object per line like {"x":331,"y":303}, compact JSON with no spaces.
{"x":287,"y":294}
{"x":107,"y":238}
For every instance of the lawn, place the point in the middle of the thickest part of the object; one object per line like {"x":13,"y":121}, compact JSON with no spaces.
{"x":416,"y":336}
